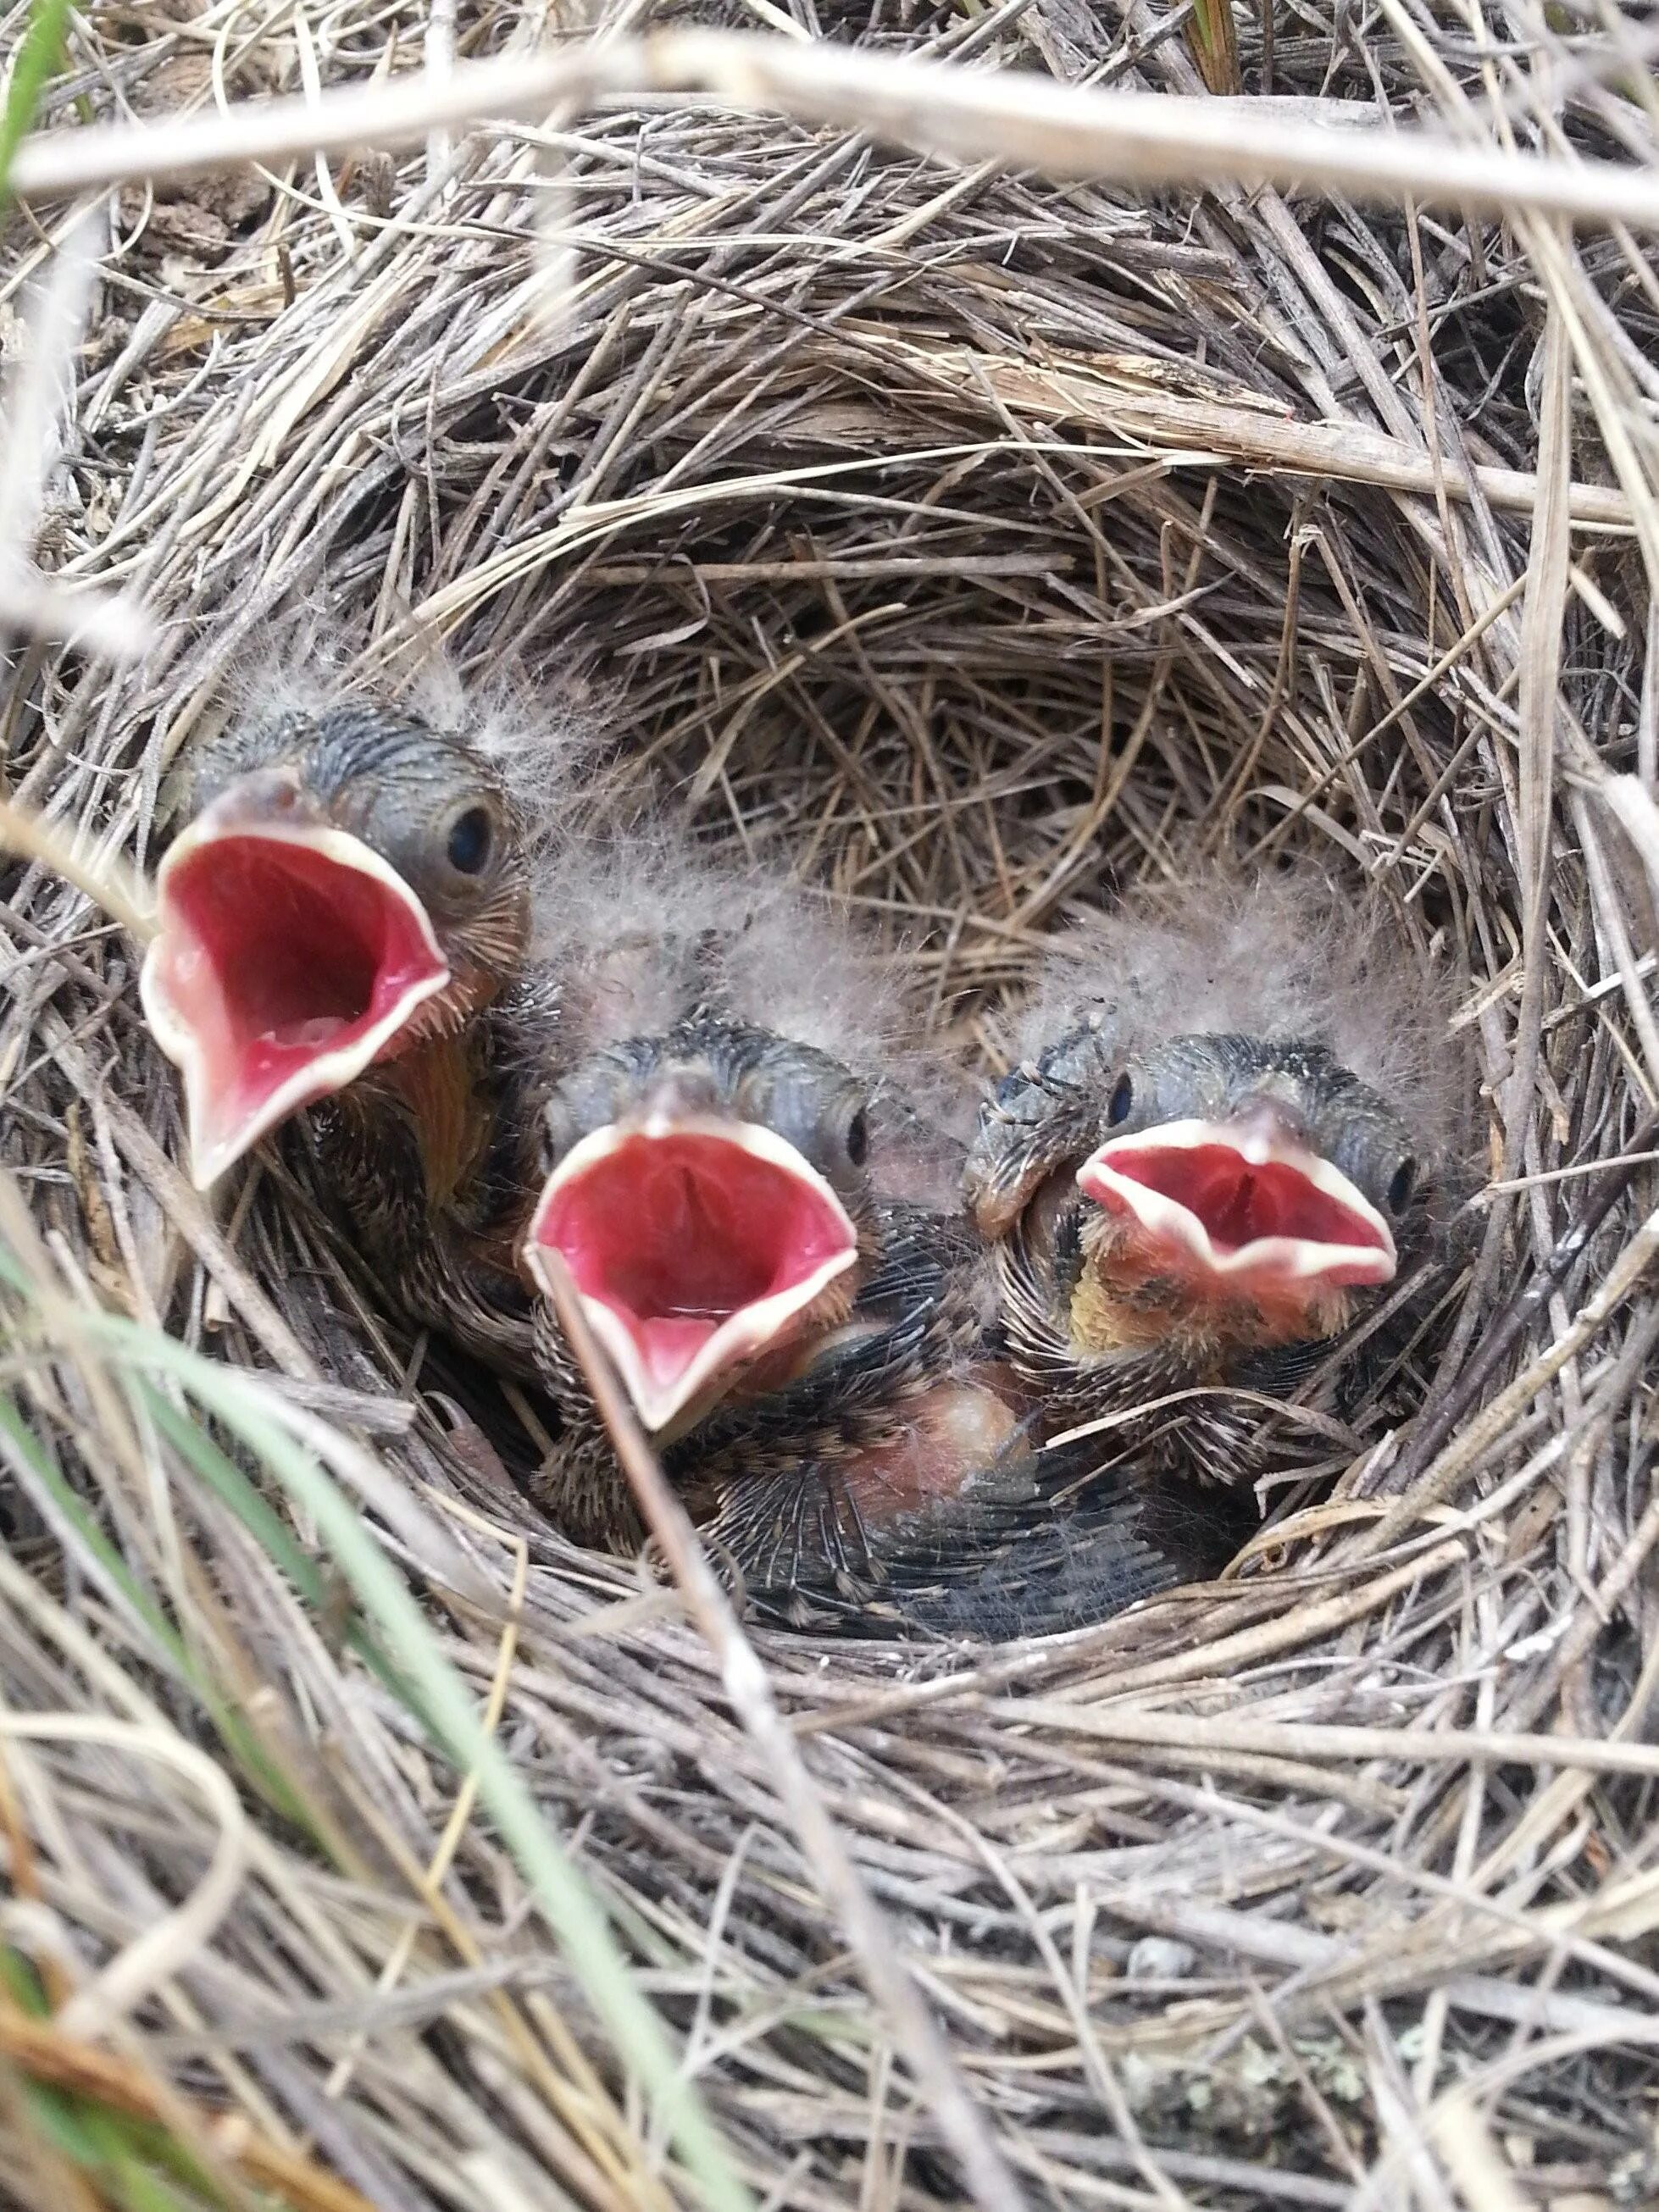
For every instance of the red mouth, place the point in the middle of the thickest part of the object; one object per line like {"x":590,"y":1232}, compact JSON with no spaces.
{"x":286,"y":960}
{"x":694,"y":1246}
{"x":1249,"y":1213}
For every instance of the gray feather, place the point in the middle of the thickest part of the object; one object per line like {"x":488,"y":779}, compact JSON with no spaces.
{"x":1277,"y":957}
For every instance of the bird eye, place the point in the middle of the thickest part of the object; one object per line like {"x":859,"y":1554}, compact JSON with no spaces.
{"x":1404,"y":1183}
{"x":858,"y":1137}
{"x":471,"y":837}
{"x":1123,"y":1099}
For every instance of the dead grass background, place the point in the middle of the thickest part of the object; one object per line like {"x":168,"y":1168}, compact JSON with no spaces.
{"x":980,"y":544}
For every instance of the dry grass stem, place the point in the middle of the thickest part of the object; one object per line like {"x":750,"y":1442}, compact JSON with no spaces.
{"x":951,"y":451}
{"x":1115,"y":137}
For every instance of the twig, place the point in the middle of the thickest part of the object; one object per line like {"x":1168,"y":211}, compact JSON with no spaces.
{"x":1122,"y":137}
{"x":439,"y":50}
{"x":915,"y":2033}
{"x":1311,"y":1741}
{"x":1477,"y":2166}
{"x":169,"y":1943}
{"x":36,"y":396}
{"x":40,"y":2049}
{"x":1440,"y":1477}
{"x":111,"y":884}
{"x":73,"y":614}
{"x":1438,"y":1424}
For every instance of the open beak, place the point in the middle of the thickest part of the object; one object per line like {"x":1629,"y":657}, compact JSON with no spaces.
{"x":1243,"y":1206}
{"x":694,"y":1243}
{"x":287,"y":957}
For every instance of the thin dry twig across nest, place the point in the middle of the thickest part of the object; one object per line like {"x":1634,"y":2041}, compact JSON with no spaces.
{"x":1063,"y":131}
{"x":979,"y":544}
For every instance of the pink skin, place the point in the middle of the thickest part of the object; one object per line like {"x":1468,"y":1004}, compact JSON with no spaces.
{"x":695,"y":1246}
{"x":288,"y":957}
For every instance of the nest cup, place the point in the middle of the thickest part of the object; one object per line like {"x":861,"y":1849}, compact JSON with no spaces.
{"x":977,"y":547}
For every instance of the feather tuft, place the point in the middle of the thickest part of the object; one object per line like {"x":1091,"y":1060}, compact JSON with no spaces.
{"x":636,"y":930}
{"x":541,"y":744}
{"x":1277,"y":957}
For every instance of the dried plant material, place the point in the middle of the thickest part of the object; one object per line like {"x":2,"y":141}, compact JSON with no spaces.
{"x":1214,"y":43}
{"x":981,"y":548}
{"x":1122,"y":138}
{"x":36,"y":394}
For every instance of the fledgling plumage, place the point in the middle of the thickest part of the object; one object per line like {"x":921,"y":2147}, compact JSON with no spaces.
{"x":634,"y":930}
{"x":811,"y":1356}
{"x":695,"y":1082}
{"x":347,"y":927}
{"x":1229,"y":1139}
{"x":763,"y":1230}
{"x":754,"y":1183}
{"x":340,"y":917}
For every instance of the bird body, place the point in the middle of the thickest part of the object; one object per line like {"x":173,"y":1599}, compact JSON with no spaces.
{"x":429,"y":1158}
{"x":357,"y":923}
{"x":341,"y":917}
{"x":756,"y":1190}
{"x":1198,"y":1184}
{"x":727,"y":1196}
{"x":516,"y":1036}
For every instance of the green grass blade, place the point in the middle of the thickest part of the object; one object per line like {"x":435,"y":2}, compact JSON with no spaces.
{"x":21,"y":1983}
{"x":232,"y":1488}
{"x":437,"y":1696}
{"x":142,"y":2191}
{"x":38,"y":55}
{"x":18,"y":1440}
{"x":1213,"y":37}
{"x":120,"y":2154}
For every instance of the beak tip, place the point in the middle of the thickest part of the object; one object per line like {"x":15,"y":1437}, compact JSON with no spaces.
{"x":211,"y":1158}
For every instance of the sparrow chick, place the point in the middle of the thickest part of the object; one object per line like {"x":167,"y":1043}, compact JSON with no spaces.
{"x":337,"y":920}
{"x":1226,"y":1146}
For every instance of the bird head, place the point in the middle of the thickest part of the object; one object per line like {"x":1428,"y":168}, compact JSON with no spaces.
{"x":1253,"y":1188}
{"x":707,"y":1190}
{"x":344,"y":883}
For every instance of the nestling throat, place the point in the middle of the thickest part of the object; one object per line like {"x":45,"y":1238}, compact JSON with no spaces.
{"x":699,"y":1246}
{"x":287,"y":960}
{"x":1228,"y":1231}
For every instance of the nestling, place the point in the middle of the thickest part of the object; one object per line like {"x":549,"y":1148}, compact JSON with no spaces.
{"x":1227,"y":1145}
{"x":811,"y":1358}
{"x":346,"y":926}
{"x":347,"y":902}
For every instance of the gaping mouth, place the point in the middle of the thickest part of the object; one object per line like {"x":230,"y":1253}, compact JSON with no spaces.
{"x":693,"y":1244}
{"x":1251,"y":1212}
{"x":287,"y":958}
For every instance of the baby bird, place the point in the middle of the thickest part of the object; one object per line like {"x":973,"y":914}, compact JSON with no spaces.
{"x":1229,"y":1142}
{"x":741,"y":1208}
{"x":766,"y":1236}
{"x":688,"y":1081}
{"x":341,"y":913}
{"x":345,"y":926}
{"x":705,"y":1188}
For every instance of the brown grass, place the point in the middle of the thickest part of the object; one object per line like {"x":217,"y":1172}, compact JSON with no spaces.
{"x":981,"y":545}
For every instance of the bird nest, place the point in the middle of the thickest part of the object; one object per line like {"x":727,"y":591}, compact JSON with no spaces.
{"x":979,"y":546}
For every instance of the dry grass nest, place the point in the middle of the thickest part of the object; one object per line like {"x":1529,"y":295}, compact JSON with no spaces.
{"x":980,"y":546}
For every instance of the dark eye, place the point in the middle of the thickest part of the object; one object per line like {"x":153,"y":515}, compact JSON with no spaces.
{"x":1123,"y":1099}
{"x":1404,"y":1183}
{"x":858,"y":1137}
{"x":471,"y":837}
